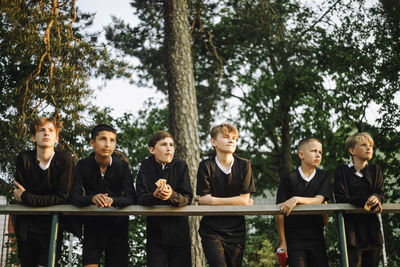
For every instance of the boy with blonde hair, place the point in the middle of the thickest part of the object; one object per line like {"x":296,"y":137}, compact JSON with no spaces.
{"x":43,"y":178}
{"x":360,"y":183}
{"x":302,"y":236}
{"x":224,"y":179}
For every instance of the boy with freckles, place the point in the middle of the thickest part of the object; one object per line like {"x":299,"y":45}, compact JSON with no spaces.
{"x":224,"y":179}
{"x":43,"y":178}
{"x":302,"y":236}
{"x":168,"y":237}
{"x":105,"y":180}
{"x":361,"y":183}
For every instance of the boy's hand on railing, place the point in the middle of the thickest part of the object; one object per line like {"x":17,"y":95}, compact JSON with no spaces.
{"x":102,"y":200}
{"x":18,"y":191}
{"x":206,"y":200}
{"x":373,"y":204}
{"x":288,"y":205}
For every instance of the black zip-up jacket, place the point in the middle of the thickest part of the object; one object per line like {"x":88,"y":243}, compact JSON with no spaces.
{"x":43,"y":188}
{"x":117,"y":182}
{"x":165,"y":230}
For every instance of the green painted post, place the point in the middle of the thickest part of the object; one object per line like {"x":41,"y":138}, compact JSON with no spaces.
{"x":342,"y":240}
{"x":53,"y":241}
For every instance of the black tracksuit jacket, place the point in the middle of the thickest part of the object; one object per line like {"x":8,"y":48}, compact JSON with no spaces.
{"x":117,"y":182}
{"x":43,"y":188}
{"x":170,"y":230}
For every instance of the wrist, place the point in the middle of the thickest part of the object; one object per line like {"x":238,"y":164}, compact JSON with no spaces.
{"x":155,"y":194}
{"x":23,"y":197}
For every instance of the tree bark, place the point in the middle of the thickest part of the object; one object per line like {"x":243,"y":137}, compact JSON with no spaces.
{"x":183,"y":117}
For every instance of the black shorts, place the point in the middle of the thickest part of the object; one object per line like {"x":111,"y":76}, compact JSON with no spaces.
{"x":369,"y":256}
{"x":176,"y":255}
{"x":308,"y":257}
{"x":222,"y":254}
{"x":35,"y":250}
{"x":114,"y":244}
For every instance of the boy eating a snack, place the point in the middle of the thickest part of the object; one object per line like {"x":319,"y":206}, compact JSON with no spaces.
{"x":164,"y":180}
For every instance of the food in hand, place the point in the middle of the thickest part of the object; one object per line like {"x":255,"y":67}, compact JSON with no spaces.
{"x":160,"y":183}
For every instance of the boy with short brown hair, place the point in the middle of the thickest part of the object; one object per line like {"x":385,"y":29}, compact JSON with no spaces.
{"x":224,"y":179}
{"x":164,"y":180}
{"x":302,"y":236}
{"x":43,"y":178}
{"x":361,"y":183}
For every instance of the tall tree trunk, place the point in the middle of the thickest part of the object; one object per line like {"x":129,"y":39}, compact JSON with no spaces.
{"x":183,"y":118}
{"x":286,"y":153}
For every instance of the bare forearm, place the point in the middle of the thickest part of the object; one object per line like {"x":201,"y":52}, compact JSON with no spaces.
{"x":280,"y":227}
{"x":242,"y":199}
{"x":310,"y":200}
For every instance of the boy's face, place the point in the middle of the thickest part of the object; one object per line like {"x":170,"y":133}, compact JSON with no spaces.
{"x":310,"y":154}
{"x":363,"y":150}
{"x":45,"y":135}
{"x":104,"y":143}
{"x":164,"y":150}
{"x":225,"y":142}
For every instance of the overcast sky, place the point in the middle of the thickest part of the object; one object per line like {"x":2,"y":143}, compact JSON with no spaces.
{"x":118,"y":93}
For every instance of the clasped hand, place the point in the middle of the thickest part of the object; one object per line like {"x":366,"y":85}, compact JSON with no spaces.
{"x":163,"y":193}
{"x":102,"y":200}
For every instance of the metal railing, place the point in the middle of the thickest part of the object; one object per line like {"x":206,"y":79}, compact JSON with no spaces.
{"x":194,"y":210}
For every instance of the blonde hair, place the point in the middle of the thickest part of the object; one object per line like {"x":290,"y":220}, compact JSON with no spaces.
{"x":352,"y":140}
{"x":307,"y":140}
{"x":223,"y":128}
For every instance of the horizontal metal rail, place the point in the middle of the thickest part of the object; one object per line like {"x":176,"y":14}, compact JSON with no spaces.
{"x":195,"y":210}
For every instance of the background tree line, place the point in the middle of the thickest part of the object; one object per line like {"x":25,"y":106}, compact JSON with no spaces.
{"x":286,"y":69}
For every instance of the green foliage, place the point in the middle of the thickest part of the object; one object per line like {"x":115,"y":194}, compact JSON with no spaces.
{"x":135,"y":131}
{"x":261,"y":242}
{"x":45,"y":63}
{"x":11,"y":245}
{"x":297,"y":70}
{"x":137,"y":241}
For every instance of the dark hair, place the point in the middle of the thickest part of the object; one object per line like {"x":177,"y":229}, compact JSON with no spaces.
{"x":157,"y":136}
{"x":41,"y":121}
{"x":306,"y":141}
{"x":101,"y":127}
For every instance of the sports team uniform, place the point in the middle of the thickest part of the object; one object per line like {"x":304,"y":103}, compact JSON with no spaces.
{"x":223,"y":237}
{"x":304,"y":233}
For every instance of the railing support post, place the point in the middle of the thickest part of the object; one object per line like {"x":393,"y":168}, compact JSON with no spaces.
{"x":53,"y":240}
{"x":342,"y":240}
